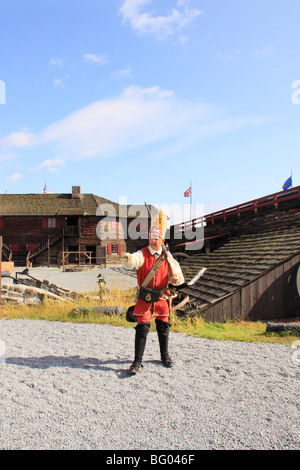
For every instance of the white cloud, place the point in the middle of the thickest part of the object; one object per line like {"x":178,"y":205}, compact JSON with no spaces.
{"x":228,"y":57}
{"x":161,"y":26}
{"x":14,"y":178}
{"x":134,"y":120}
{"x":59,"y":83}
{"x":96,"y":58}
{"x":124,"y":73}
{"x":17,"y":140}
{"x":57,"y":62}
{"x":266,"y":52}
{"x":13,"y":142}
{"x":50,"y":164}
{"x":151,"y":120}
{"x":154,"y":91}
{"x":137,"y":117}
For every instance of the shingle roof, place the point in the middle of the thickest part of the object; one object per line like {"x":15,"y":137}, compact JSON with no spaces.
{"x":54,"y":205}
{"x":236,"y":263}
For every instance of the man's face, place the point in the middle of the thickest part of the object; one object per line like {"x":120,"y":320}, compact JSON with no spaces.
{"x":155,"y":243}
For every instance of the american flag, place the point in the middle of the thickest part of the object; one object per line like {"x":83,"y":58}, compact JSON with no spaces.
{"x":187,"y":192}
{"x":46,"y":190}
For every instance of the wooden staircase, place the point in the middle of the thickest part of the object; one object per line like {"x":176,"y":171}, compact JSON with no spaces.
{"x":55,"y":237}
{"x":6,"y":252}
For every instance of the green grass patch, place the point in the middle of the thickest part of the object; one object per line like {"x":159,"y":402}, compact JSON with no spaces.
{"x":64,"y":312}
{"x":234,"y":331}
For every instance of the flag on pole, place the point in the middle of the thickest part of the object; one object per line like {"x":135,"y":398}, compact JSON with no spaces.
{"x":46,"y":190}
{"x":187,"y":192}
{"x":287,"y":184}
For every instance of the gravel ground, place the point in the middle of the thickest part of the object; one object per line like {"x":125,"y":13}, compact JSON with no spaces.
{"x":66,"y":386}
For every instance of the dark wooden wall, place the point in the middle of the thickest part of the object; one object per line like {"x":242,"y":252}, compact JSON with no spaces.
{"x":271,"y":296}
{"x":23,"y":232}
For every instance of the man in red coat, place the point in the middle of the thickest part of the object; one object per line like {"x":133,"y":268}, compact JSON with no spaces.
{"x":168,"y":271}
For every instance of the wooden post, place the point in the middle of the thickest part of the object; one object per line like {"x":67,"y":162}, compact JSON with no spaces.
{"x":48,"y":251}
{"x":0,"y":269}
{"x":191,"y":195}
{"x":63,"y":248}
{"x":79,"y":235}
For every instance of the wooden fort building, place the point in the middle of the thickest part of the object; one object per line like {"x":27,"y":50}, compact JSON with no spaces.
{"x":76,"y":228}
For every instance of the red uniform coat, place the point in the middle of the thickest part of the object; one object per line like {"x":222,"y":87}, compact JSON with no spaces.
{"x":143,"y":310}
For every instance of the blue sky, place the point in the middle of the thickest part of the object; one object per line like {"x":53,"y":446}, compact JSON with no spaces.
{"x":137,"y":98}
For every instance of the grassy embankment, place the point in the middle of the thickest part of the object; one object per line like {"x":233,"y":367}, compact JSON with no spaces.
{"x":61,"y":311}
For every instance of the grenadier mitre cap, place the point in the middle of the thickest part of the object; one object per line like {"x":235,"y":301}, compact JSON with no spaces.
{"x":158,"y":226}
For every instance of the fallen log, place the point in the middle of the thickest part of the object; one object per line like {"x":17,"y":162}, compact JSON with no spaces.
{"x":27,"y":294}
{"x":106,"y":310}
{"x":282,"y":326}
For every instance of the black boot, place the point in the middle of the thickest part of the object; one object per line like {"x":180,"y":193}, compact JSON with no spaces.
{"x":141,"y":331}
{"x":162,"y":329}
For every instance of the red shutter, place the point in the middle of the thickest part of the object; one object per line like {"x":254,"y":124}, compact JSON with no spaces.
{"x":119,"y":248}
{"x":45,"y":222}
{"x":29,"y":246}
{"x":58,"y":222}
{"x":109,"y":248}
{"x":1,"y":222}
{"x":14,"y":247}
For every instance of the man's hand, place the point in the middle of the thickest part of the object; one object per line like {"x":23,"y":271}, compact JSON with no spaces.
{"x":126,"y":257}
{"x":174,"y":279}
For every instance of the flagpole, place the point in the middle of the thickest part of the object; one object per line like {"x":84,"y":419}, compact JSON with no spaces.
{"x":191,"y":203}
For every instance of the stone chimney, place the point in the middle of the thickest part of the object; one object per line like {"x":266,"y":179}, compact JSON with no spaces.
{"x":76,"y":192}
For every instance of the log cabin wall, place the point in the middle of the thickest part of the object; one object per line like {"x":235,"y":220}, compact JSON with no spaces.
{"x":117,"y":237}
{"x":49,"y":257}
{"x":94,"y":232}
{"x":23,"y":232}
{"x":27,"y":229}
{"x":135,"y":245}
